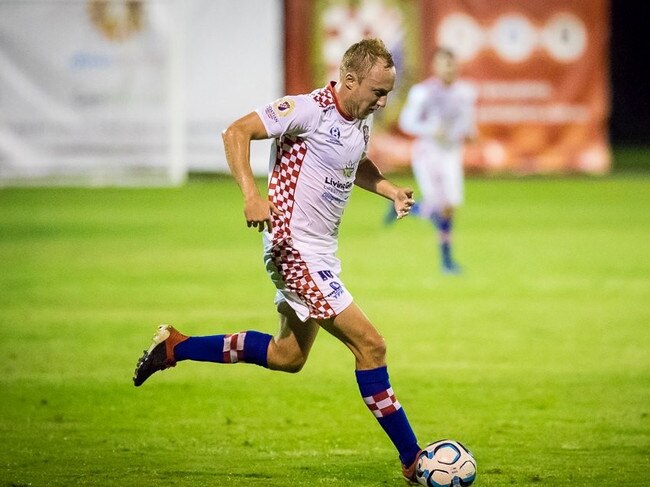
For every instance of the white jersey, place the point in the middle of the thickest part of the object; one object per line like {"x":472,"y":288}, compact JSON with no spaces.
{"x":438,"y":113}
{"x":313,"y":165}
{"x":312,"y":169}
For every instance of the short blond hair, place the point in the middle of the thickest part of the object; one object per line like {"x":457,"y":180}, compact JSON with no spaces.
{"x":362,"y":56}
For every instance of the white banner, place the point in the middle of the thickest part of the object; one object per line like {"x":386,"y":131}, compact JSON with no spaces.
{"x":234,"y":64}
{"x":86,"y":92}
{"x":130,"y":92}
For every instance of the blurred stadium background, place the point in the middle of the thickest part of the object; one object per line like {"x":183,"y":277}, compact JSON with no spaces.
{"x":130,"y":92}
{"x":115,"y":217}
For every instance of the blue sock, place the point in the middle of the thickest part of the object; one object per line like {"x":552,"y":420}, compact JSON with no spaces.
{"x":246,"y":346}
{"x":445,"y":252}
{"x":444,"y":231}
{"x":378,"y":395}
{"x":441,"y":223}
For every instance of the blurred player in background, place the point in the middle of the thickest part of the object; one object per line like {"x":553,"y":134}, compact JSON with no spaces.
{"x":440,"y":114}
{"x":318,"y":156}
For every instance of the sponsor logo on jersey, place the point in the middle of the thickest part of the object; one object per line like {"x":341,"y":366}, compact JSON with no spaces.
{"x":284,"y":106}
{"x":327,"y":196}
{"x":348,"y":170}
{"x":338,"y":184}
{"x":268,"y":111}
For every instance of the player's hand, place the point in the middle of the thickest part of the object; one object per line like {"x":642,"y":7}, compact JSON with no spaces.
{"x":403,"y":202}
{"x":258,"y":213}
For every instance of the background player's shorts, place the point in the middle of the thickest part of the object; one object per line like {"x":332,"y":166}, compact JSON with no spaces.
{"x":439,"y":174}
{"x":310,"y":285}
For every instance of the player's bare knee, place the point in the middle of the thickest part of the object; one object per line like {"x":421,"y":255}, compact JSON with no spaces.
{"x":292,"y":363}
{"x":379,"y":349}
{"x":287,"y":357}
{"x":295,"y":366}
{"x":373,"y":352}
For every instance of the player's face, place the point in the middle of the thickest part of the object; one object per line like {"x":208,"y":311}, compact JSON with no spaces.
{"x":444,"y":67}
{"x":372,"y":93}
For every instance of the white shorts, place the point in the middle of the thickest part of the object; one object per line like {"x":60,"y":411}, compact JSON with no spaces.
{"x":439,"y":174}
{"x":310,"y":285}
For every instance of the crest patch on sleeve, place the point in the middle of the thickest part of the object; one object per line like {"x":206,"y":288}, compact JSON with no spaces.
{"x":284,"y":106}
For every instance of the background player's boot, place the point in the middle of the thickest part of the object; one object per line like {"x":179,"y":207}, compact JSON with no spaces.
{"x":449,"y":266}
{"x":391,"y":215}
{"x":160,"y":354}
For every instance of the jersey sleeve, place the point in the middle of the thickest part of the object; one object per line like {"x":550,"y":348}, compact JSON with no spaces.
{"x":291,"y":115}
{"x":465,"y":124}
{"x":411,"y":118}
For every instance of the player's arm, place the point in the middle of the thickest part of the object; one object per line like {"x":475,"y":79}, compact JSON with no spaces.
{"x":464,"y":127}
{"x":411,"y":120}
{"x":472,"y":133}
{"x":236,"y":140}
{"x":370,"y":178}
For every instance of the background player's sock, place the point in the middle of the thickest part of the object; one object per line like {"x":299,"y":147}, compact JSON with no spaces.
{"x":245,"y":346}
{"x":444,"y":233}
{"x":378,"y":395}
{"x":391,"y":214}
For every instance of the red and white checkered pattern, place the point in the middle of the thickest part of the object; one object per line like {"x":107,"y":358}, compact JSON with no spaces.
{"x":324,"y":97}
{"x":290,"y":155}
{"x":282,"y":185}
{"x":233,"y":347}
{"x":383,"y":403}
{"x":297,"y":278}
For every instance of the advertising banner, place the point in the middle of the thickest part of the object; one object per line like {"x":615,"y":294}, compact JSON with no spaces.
{"x":540,"y":70}
{"x":131,"y":92}
{"x":86,"y":92}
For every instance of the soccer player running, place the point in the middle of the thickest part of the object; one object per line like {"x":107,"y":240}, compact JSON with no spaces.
{"x":319,"y":153}
{"x":440,"y":114}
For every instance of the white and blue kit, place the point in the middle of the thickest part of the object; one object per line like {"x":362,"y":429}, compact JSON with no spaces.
{"x":440,"y":117}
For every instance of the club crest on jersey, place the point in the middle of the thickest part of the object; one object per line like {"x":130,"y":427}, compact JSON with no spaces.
{"x":348,"y":170}
{"x":284,"y":106}
{"x":335,"y":136}
{"x":337,"y":290}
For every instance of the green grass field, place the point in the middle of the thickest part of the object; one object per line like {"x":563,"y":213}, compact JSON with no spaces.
{"x":538,"y":358}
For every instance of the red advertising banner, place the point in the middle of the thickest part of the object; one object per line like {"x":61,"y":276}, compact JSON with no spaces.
{"x":540,"y":70}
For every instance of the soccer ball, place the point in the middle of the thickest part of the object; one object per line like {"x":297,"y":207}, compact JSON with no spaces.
{"x":445,"y":463}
